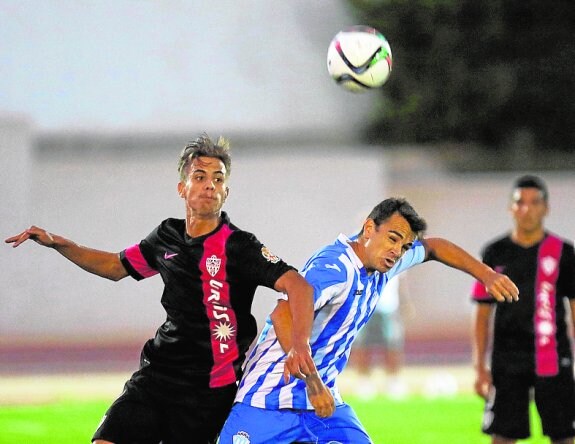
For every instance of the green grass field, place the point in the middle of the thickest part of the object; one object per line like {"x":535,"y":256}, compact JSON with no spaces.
{"x":415,"y":420}
{"x":420,"y":420}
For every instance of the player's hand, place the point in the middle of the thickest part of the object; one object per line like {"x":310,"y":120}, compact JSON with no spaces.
{"x":34,"y":233}
{"x":482,"y":383}
{"x":320,"y":396}
{"x":501,"y":287}
{"x":299,"y":363}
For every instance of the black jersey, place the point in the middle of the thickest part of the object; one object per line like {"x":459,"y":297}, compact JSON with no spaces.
{"x":210,"y":283}
{"x":532,"y":333}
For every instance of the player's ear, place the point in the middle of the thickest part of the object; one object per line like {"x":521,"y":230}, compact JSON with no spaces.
{"x":181,"y":187}
{"x":368,"y":228}
{"x":227,"y":192}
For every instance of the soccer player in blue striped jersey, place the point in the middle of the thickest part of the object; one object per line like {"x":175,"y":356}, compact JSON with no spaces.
{"x":348,"y":278}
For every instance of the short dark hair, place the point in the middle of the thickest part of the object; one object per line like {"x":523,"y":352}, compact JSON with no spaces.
{"x":203,"y":146}
{"x":385,"y":209}
{"x":531,"y":181}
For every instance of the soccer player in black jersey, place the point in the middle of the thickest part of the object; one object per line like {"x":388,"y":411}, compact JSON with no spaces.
{"x":187,"y":380}
{"x":531,"y":348}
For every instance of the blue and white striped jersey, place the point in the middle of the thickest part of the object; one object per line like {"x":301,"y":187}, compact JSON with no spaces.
{"x":345,"y":298}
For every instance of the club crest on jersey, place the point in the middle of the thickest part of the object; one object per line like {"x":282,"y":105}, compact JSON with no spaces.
{"x":241,"y":438}
{"x":213,"y":264}
{"x":546,"y":328}
{"x":548,"y":265}
{"x":270,"y":257}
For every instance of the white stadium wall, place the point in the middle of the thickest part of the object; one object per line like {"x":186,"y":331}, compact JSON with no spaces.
{"x":294,"y":198}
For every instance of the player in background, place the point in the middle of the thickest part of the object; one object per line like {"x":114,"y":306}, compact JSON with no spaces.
{"x":348,"y":278}
{"x":381,"y":345}
{"x":189,"y":371}
{"x":531,"y":351}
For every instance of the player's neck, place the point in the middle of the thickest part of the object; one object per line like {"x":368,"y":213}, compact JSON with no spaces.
{"x":527,"y":238}
{"x":359,"y":250}
{"x":197,"y":226}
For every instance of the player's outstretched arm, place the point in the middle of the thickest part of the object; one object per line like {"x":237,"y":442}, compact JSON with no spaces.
{"x":498,"y":285}
{"x":101,"y":263}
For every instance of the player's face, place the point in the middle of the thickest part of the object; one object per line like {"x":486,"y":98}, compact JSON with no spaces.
{"x":386,"y":243}
{"x":204,"y":189}
{"x":528,"y":209}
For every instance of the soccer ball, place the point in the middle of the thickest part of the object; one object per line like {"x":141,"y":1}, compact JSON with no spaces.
{"x":359,"y":58}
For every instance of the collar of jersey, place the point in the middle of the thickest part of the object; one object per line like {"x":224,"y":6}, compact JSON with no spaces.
{"x":345,"y":241}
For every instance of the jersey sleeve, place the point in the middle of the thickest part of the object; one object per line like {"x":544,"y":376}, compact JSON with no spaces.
{"x":138,"y":258}
{"x":415,"y":255}
{"x":255,"y":261}
{"x":479,"y":293}
{"x":328,"y":277}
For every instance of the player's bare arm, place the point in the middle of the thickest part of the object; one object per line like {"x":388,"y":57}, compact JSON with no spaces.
{"x":319,"y":395}
{"x":101,"y":263}
{"x":282,"y":322}
{"x":480,"y":343}
{"x":446,"y":252}
{"x":300,"y":298}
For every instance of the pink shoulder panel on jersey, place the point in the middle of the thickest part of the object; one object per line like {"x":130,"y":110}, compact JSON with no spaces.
{"x":136,"y":259}
{"x":479,"y":292}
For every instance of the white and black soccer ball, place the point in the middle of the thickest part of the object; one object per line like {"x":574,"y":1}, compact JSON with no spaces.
{"x":359,"y":58}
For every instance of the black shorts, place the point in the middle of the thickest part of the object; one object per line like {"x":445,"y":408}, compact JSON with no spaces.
{"x":507,"y":409}
{"x":139,"y":416}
